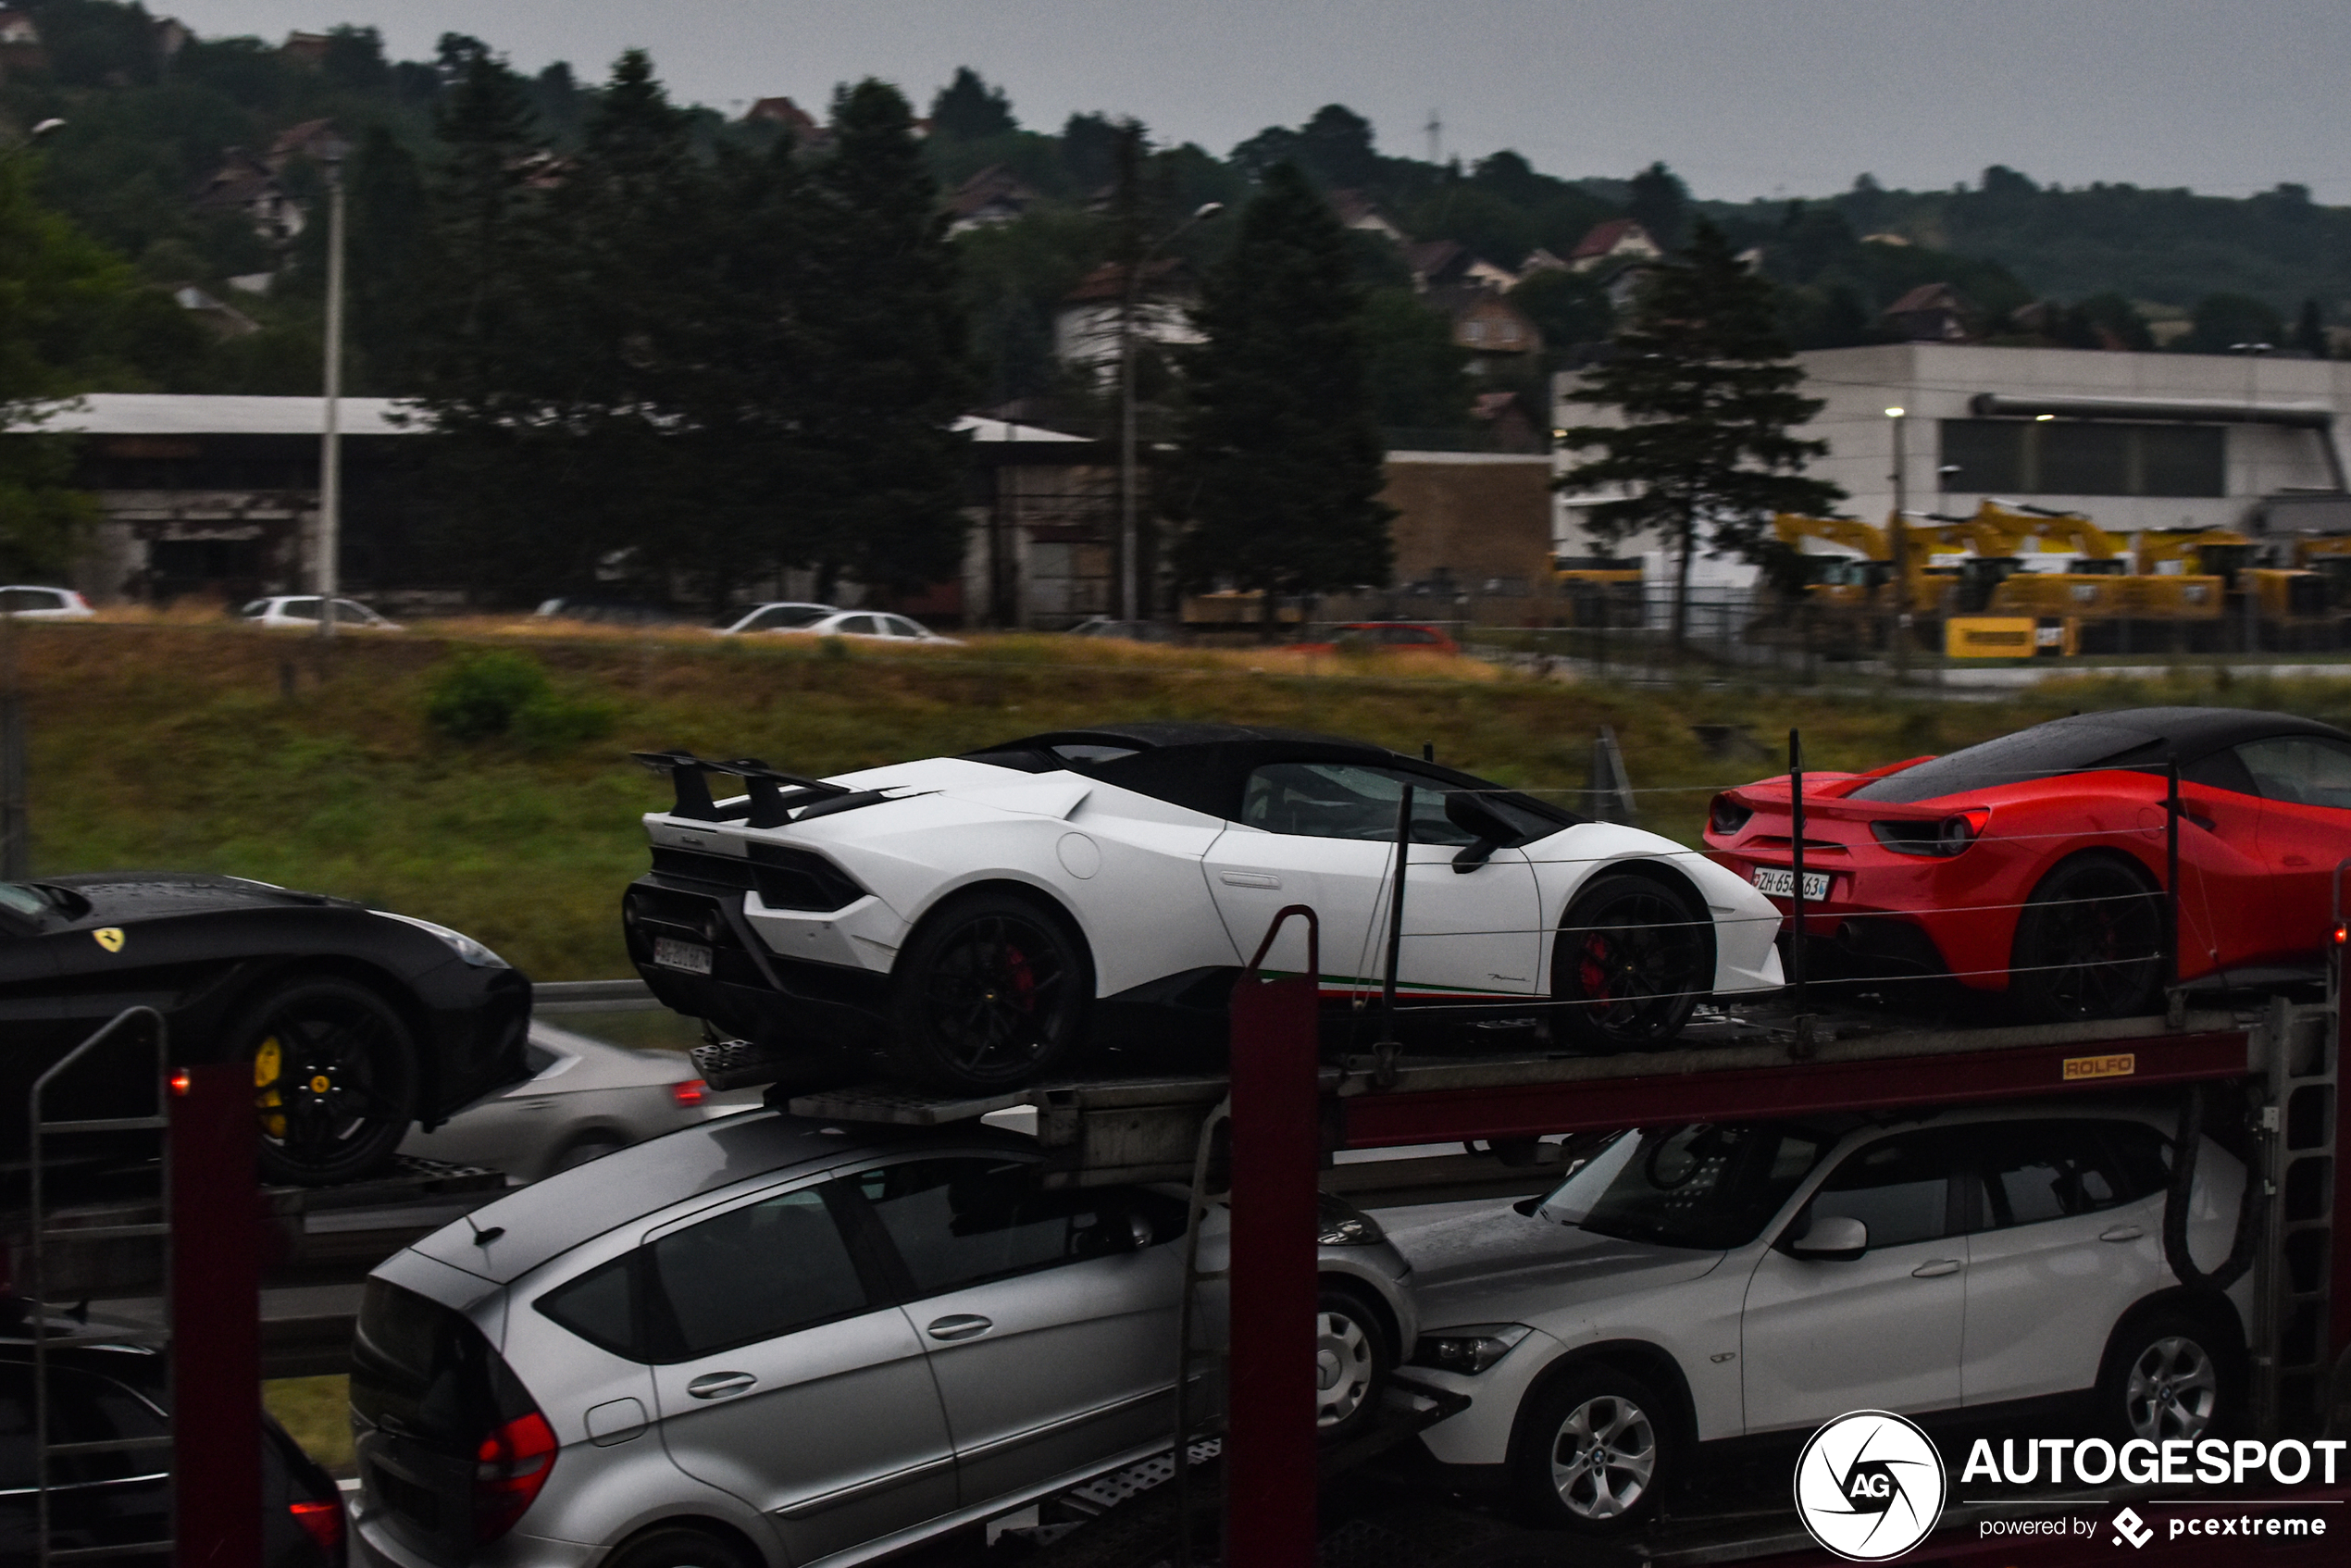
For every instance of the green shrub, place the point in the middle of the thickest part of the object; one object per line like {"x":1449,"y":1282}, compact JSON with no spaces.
{"x":552,"y":721}
{"x":479,"y":695}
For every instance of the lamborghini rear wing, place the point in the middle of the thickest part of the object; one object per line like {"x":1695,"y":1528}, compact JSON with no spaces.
{"x":774,"y":794}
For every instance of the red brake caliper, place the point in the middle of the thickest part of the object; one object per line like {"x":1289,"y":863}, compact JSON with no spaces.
{"x":1593,"y":971}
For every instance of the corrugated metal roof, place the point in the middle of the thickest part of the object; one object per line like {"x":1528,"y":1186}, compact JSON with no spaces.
{"x":187,"y":413}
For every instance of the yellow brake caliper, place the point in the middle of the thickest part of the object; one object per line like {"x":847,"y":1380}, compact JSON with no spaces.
{"x":267,"y":1064}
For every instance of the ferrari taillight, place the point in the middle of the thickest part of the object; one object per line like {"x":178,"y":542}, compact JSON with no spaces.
{"x":1943,"y":839}
{"x":1726,"y":817}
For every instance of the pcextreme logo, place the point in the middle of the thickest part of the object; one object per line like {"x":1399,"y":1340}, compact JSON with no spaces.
{"x":1869,"y":1485}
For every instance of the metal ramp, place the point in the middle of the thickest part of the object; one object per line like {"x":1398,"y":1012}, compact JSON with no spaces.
{"x":45,"y":1237}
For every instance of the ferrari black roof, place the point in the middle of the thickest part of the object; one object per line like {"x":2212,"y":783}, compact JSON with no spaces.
{"x":2124,"y":738}
{"x":2194,"y":731}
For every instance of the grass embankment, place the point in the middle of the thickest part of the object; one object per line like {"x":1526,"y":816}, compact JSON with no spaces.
{"x":203,"y":747}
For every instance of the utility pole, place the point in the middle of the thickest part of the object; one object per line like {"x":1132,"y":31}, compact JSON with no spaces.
{"x":15,"y":815}
{"x":331,"y":438}
{"x":1436,"y":129}
{"x":1128,"y":478}
{"x":1898,"y":538}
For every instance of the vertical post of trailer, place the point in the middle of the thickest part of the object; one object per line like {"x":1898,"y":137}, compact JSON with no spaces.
{"x":1396,"y":913}
{"x":2338,"y":1250}
{"x":2171,"y":875}
{"x":216,"y":1303}
{"x":1269,"y":1451}
{"x":1796,"y":841}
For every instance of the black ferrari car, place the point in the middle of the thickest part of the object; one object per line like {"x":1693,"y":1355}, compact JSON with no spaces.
{"x":358,"y":1023}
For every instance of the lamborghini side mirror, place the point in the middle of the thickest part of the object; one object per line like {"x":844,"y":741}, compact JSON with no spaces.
{"x":1485,"y":826}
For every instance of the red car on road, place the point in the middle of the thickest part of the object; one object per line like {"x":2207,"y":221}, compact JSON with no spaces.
{"x":1384,"y":637}
{"x":2033,"y":865}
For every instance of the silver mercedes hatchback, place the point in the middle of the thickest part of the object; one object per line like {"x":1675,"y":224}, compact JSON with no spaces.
{"x":768,"y":1340}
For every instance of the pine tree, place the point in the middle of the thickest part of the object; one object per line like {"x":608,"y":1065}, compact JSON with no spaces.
{"x":967,"y":109}
{"x":480,"y":321}
{"x":1281,"y":452}
{"x":1707,"y":393}
{"x":887,"y":342}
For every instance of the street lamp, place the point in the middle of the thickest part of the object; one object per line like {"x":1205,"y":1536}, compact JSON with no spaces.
{"x":1897,"y":537}
{"x":331,"y":153}
{"x":1127,"y":474}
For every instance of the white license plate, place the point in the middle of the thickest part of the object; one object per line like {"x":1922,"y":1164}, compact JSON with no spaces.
{"x":692,"y":957}
{"x":1779,"y":881}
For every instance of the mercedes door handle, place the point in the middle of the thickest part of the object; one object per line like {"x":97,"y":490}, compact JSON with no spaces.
{"x":2121,"y":1233}
{"x":1935,"y":1268}
{"x":962,"y":1325}
{"x":718,"y":1385}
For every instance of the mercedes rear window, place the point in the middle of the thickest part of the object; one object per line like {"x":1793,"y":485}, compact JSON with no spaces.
{"x":2046,"y":750}
{"x":424,"y":1373}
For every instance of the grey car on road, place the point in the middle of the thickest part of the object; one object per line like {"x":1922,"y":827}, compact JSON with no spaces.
{"x":769,"y":1341}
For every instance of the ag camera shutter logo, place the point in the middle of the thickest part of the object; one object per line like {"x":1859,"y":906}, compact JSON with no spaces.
{"x":1869,"y":1485}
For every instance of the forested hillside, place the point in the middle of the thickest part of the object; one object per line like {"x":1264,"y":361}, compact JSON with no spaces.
{"x":165,"y":135}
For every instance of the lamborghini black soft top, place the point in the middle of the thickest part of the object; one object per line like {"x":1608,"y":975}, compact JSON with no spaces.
{"x":1205,"y":767}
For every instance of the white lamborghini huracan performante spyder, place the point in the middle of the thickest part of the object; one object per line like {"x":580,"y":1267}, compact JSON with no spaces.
{"x":978,"y":918}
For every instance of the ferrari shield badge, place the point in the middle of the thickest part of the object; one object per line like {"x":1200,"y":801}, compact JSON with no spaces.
{"x":108,"y":937}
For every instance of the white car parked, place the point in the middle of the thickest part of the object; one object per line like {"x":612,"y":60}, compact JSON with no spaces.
{"x":781,"y":616}
{"x":36,"y":603}
{"x":584,"y":1099}
{"x":302,"y":609}
{"x":871,"y":625}
{"x":979,"y":917}
{"x":1688,"y":1284}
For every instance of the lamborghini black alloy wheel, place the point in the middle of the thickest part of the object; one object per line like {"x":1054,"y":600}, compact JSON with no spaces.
{"x":334,"y":1075}
{"x":990,"y":994}
{"x":1637,"y":957}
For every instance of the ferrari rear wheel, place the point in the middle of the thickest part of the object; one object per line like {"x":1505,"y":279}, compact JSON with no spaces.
{"x":991,"y":992}
{"x":1635,"y":955}
{"x":334,"y":1077}
{"x":2089,"y":944}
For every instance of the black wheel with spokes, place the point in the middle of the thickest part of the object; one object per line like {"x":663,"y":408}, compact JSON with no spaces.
{"x":1635,"y":955}
{"x":991,"y":992}
{"x":2089,"y":944}
{"x":334,"y":1075}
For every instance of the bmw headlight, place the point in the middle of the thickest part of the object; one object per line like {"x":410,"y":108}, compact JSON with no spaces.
{"x":1470,"y":1350}
{"x":458,"y":942}
{"x":1340,"y":1224}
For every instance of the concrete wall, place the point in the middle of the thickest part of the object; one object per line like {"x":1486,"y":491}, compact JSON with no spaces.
{"x":1472,"y":516}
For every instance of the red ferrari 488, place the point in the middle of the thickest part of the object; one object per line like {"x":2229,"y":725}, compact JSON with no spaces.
{"x":2033,"y":865}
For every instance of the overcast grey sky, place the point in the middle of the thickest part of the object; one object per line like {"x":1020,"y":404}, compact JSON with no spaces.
{"x":1743,"y":97}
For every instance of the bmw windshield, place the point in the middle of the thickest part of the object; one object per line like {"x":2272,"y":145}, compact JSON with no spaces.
{"x":1707,"y":1185}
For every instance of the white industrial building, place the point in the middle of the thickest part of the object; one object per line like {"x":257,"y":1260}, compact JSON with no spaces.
{"x":2132,"y":441}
